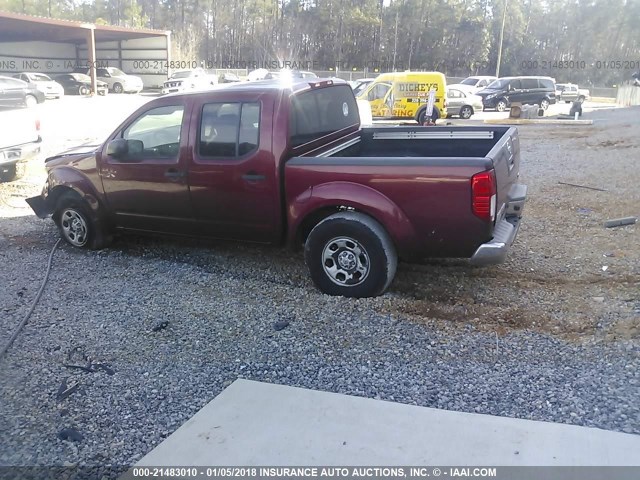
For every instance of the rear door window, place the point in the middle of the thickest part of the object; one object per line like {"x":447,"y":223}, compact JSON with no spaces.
{"x":320,"y":112}
{"x":515,"y":85}
{"x":229,"y":130}
{"x":529,"y":83}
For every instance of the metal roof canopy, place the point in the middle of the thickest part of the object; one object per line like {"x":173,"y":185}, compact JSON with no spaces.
{"x":15,"y":27}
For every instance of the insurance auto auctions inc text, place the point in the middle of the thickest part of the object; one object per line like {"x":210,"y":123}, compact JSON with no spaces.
{"x":376,"y":472}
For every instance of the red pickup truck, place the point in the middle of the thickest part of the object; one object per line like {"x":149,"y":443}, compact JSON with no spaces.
{"x":289,"y":164}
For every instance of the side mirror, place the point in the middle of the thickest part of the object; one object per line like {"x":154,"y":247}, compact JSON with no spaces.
{"x":120,"y":148}
{"x":117,"y":148}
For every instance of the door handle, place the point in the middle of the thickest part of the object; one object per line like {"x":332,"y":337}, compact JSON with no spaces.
{"x":173,"y":174}
{"x":253,"y":177}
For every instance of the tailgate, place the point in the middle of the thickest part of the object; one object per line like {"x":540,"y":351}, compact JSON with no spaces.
{"x":505,"y":156}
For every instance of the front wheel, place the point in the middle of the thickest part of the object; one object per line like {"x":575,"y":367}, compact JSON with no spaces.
{"x":501,"y":106}
{"x":422,"y":115}
{"x":77,"y":226}
{"x":84,"y":90}
{"x":544,"y":104}
{"x":10,"y":174}
{"x":30,"y":101}
{"x":466,"y":112}
{"x":351,"y":255}
{"x":117,"y":88}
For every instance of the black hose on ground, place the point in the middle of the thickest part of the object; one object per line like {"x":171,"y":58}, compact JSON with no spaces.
{"x":33,"y":304}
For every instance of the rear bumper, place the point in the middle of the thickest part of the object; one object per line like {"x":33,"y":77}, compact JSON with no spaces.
{"x":495,"y":251}
{"x":20,"y":153}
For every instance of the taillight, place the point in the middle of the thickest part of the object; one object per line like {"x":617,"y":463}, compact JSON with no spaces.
{"x":483,"y":195}
{"x":38,"y":125}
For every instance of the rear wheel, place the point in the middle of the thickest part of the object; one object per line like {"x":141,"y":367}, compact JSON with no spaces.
{"x":350,"y":254}
{"x":544,"y":103}
{"x":501,"y":106}
{"x":466,"y":112}
{"x":77,"y":226}
{"x":84,"y":90}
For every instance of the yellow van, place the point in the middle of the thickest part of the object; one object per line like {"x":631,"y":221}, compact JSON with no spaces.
{"x":405,"y":95}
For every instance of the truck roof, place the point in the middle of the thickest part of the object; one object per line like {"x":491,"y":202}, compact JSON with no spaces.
{"x":274,"y":85}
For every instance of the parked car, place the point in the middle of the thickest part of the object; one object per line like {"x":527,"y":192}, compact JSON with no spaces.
{"x":185,"y":80}
{"x":42,"y":82}
{"x":474,"y":84}
{"x":290,"y":165}
{"x":570,"y":92}
{"x":80,"y":84}
{"x":503,"y":92}
{"x":289,"y":74}
{"x":19,"y":142}
{"x":228,"y":78}
{"x":16,"y":93}
{"x":116,"y":79}
{"x":462,"y":104}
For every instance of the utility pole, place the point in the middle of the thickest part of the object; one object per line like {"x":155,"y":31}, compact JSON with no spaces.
{"x":395,"y":43}
{"x":504,"y":17}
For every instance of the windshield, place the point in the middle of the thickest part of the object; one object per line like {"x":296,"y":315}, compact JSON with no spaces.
{"x":469,"y":81}
{"x":39,"y":77}
{"x":184,"y":74}
{"x":81,"y":77}
{"x":115,"y":72}
{"x":360,"y":87}
{"x":499,"y":84}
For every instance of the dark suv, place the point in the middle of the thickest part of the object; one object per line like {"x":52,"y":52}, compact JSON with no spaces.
{"x":501,"y":93}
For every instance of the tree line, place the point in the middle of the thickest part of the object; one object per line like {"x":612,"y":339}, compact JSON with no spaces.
{"x":590,"y":42}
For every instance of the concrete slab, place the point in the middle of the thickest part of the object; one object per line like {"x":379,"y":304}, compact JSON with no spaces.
{"x":259,"y":424}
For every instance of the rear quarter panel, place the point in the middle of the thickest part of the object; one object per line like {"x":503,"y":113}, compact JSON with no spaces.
{"x":425,"y":204}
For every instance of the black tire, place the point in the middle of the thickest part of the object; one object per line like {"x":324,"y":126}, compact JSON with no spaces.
{"x":501,"y":105}
{"x":78,"y":226}
{"x":466,"y":112}
{"x":544,"y":103}
{"x":567,"y":101}
{"x":421,"y":116}
{"x":117,"y":88}
{"x":84,"y":90}
{"x":10,"y":175}
{"x":362,"y":245}
{"x":581,"y":98}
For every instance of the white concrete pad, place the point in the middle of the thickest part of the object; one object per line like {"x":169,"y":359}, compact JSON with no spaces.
{"x":259,"y":424}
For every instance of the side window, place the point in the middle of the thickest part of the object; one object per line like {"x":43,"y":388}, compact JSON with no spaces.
{"x":548,"y":84}
{"x":482,"y":83}
{"x":229,"y":130}
{"x":155,"y":134}
{"x":515,"y":85}
{"x":101,"y":72}
{"x":529,"y":83}
{"x":453,"y":93}
{"x":249,"y":128}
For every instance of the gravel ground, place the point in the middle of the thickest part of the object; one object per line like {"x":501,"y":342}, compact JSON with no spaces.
{"x":549,"y":335}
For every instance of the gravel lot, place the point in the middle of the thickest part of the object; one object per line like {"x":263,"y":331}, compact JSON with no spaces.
{"x":549,"y":335}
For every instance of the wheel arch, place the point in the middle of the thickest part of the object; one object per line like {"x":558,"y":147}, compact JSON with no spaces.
{"x":329,"y":198}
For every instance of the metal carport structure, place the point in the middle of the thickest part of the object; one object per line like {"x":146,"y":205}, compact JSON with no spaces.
{"x":53,"y":46}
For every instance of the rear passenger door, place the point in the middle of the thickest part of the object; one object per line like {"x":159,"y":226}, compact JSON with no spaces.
{"x":12,"y":92}
{"x":232,"y":175}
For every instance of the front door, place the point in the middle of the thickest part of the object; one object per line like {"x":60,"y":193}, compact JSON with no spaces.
{"x":146,"y":189}
{"x":233,"y":178}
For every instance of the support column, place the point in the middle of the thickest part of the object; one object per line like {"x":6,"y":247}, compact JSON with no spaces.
{"x":91,"y":57}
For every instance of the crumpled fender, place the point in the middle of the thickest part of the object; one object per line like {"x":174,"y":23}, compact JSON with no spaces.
{"x":62,"y":178}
